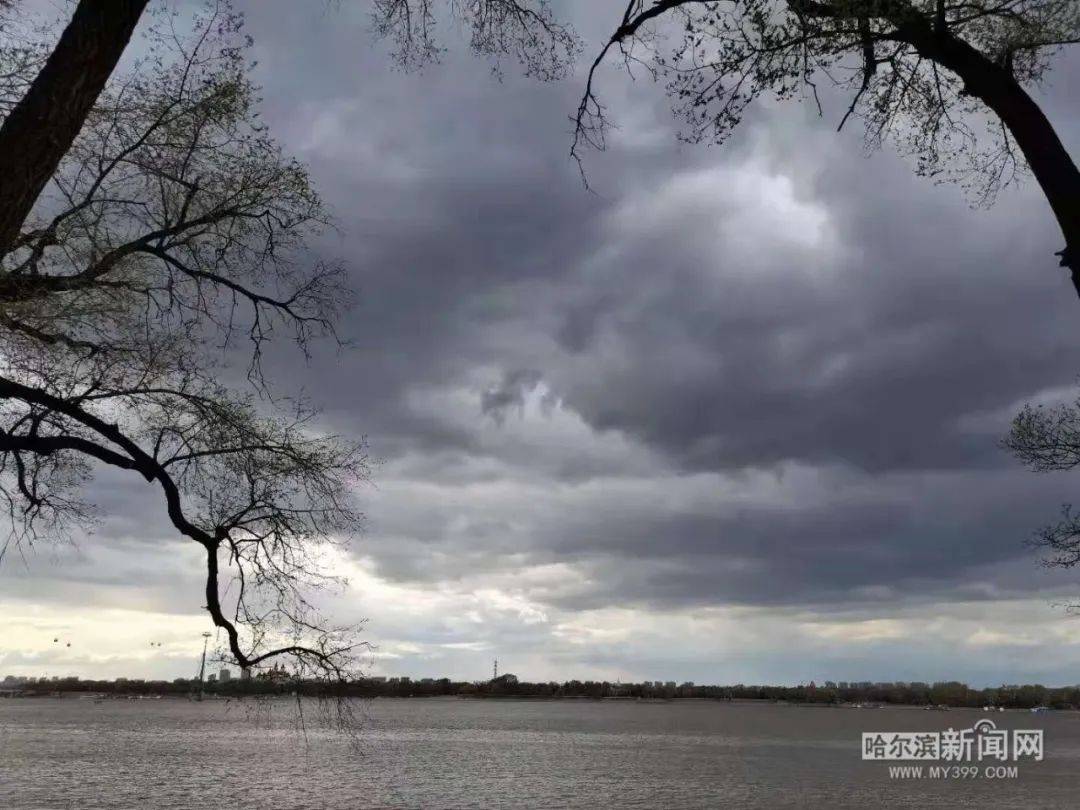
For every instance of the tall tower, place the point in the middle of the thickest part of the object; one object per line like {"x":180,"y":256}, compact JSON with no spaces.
{"x":495,"y":675}
{"x":202,"y":665}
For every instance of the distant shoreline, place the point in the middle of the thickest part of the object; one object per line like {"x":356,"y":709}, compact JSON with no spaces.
{"x":863,"y":694}
{"x":210,"y":697}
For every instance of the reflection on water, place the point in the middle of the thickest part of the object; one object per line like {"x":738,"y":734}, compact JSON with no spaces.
{"x":457,"y":753}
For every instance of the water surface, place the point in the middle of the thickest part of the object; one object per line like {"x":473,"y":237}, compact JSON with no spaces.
{"x":456,"y":753}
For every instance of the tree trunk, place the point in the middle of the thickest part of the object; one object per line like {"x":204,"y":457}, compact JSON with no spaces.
{"x":1051,"y":164}
{"x":42,"y":126}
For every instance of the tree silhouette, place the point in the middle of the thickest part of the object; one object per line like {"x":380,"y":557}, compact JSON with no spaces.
{"x":173,"y":225}
{"x":948,"y":81}
{"x":1047,"y":439}
{"x":147,"y":220}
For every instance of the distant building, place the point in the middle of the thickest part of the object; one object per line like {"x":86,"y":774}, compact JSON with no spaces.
{"x":212,"y":678}
{"x":224,"y":675}
{"x":245,"y":674}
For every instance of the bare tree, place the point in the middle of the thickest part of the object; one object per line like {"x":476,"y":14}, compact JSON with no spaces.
{"x":42,"y":123}
{"x":523,"y":30}
{"x":948,"y":81}
{"x":171,"y":226}
{"x":148,"y":220}
{"x":1048,"y":440}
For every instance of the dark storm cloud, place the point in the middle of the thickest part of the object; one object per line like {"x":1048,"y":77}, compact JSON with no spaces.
{"x":510,"y":393}
{"x":659,"y":543}
{"x":780,"y":300}
{"x":728,"y":356}
{"x":874,"y":367}
{"x":769,"y":374}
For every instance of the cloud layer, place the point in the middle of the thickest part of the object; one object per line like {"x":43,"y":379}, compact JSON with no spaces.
{"x":730,"y":416}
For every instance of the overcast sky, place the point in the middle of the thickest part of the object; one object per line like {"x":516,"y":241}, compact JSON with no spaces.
{"x":731,"y":417}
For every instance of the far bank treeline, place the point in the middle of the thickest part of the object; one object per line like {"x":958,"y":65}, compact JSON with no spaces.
{"x":946,"y":693}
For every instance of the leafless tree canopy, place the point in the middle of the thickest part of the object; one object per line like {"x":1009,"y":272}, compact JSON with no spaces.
{"x":948,"y":81}
{"x":1048,"y":440}
{"x":523,"y":30}
{"x":174,"y":226}
{"x":148,"y":223}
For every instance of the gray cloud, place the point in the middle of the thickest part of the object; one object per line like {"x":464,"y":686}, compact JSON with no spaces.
{"x":769,"y":376}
